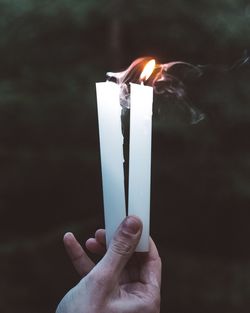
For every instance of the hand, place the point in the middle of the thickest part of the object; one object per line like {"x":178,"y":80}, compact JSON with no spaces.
{"x":122,"y":282}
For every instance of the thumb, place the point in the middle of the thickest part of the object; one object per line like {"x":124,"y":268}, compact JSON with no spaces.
{"x":121,"y":248}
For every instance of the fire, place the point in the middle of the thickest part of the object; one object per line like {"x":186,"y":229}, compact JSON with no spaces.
{"x":148,"y":70}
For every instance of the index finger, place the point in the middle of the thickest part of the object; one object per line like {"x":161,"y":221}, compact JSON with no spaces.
{"x":80,"y":260}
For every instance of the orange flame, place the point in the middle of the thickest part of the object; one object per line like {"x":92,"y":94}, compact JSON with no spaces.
{"x":148,"y":70}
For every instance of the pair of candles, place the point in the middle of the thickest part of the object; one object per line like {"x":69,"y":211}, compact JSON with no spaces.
{"x":112,"y":156}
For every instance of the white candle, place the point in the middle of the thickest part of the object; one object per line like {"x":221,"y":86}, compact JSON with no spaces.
{"x":141,"y":103}
{"x":111,"y":147}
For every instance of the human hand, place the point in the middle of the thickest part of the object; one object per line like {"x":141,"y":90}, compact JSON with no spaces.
{"x":122,"y":282}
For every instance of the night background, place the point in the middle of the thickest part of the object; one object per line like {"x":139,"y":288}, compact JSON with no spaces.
{"x":51,"y":55}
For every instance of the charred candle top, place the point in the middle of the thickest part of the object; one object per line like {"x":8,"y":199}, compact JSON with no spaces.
{"x":166,"y":79}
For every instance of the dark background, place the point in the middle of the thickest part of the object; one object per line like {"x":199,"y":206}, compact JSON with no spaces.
{"x":51,"y":55}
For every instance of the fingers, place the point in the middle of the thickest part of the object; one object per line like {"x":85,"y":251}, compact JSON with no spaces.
{"x":120,"y":249}
{"x":77,"y":255}
{"x":97,"y":245}
{"x":100,"y":236}
{"x":151,"y":267}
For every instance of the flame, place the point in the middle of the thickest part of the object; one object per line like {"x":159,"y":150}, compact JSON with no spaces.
{"x":148,"y":70}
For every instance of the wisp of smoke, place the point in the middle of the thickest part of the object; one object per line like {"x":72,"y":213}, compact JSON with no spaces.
{"x":167,"y":80}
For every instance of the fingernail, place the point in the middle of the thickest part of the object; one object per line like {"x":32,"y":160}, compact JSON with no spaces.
{"x":67,"y":238}
{"x":132,"y":225}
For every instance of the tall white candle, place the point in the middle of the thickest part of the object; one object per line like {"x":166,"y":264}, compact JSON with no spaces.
{"x":141,"y":103}
{"x":111,"y":147}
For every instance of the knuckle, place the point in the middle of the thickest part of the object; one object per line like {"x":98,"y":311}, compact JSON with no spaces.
{"x":121,"y":246}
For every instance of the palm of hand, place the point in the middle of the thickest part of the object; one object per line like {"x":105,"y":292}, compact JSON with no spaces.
{"x":137,"y":285}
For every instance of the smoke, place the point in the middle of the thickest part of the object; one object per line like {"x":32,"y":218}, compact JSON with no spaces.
{"x":219,"y":68}
{"x":171,"y":82}
{"x":168,"y":80}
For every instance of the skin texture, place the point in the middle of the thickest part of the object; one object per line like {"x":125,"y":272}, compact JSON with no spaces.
{"x":122,"y":281}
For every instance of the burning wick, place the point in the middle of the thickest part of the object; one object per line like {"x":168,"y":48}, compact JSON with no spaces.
{"x":111,"y":148}
{"x":147,"y":71}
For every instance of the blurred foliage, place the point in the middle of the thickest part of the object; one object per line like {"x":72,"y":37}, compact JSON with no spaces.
{"x":52,"y":53}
